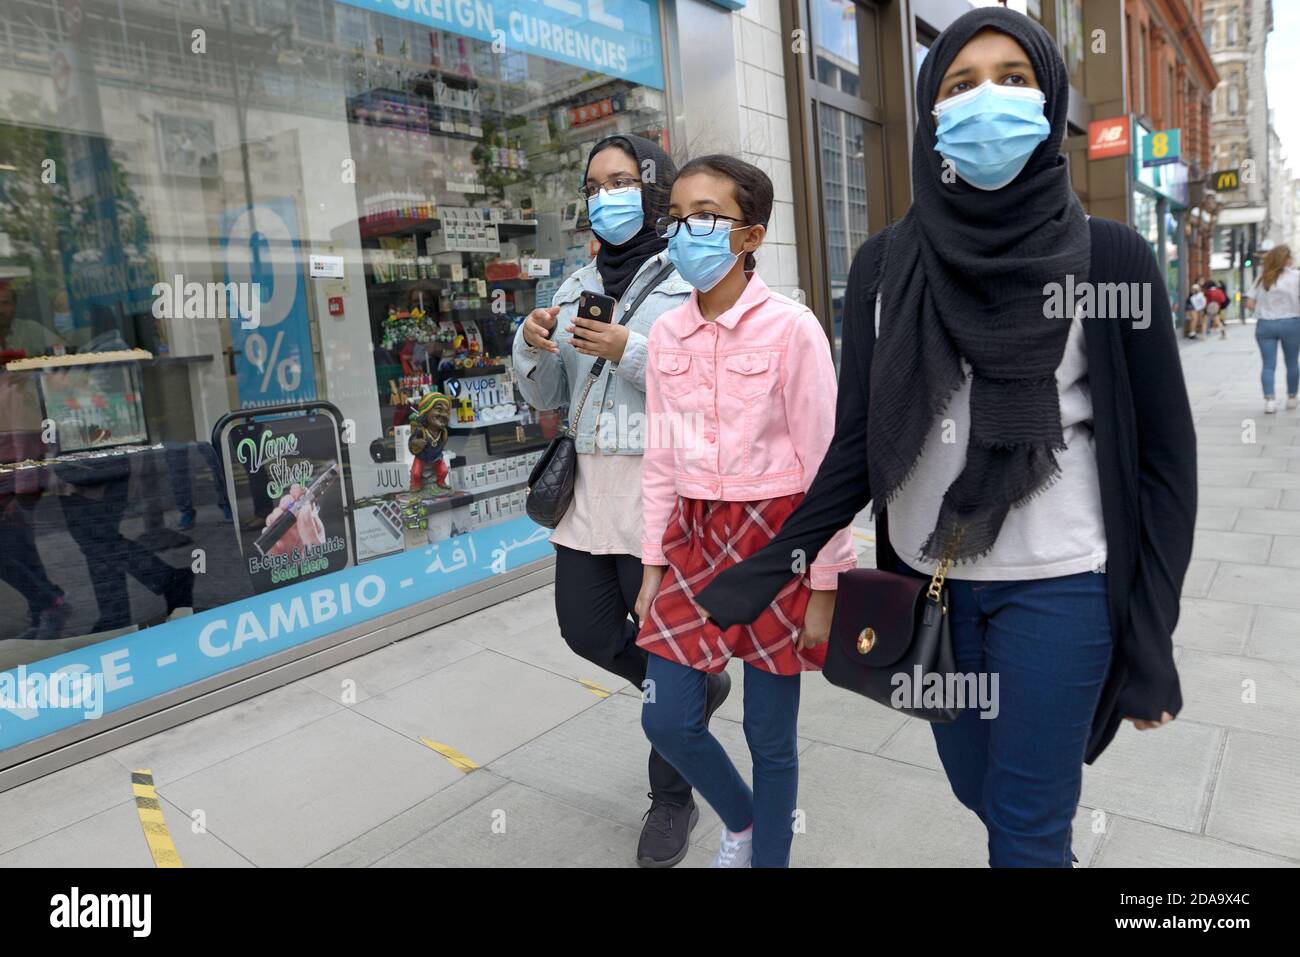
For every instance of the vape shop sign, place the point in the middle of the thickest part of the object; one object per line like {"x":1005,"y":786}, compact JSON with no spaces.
{"x":289,"y":489}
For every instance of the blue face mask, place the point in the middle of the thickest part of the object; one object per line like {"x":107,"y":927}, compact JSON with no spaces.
{"x":616,"y":217}
{"x":703,"y":260}
{"x":989,"y":133}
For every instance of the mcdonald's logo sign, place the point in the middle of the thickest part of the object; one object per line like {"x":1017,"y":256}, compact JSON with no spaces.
{"x":1225,"y":180}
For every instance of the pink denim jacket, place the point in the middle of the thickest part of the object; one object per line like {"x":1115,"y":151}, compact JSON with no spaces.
{"x":738,"y":409}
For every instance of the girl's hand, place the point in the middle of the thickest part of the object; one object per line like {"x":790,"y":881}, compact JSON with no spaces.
{"x":606,"y":340}
{"x":537,"y":328}
{"x":816,"y":621}
{"x":651,"y":577}
{"x":1145,"y":725}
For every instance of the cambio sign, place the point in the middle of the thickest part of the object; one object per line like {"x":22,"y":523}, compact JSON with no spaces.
{"x":617,"y":37}
{"x":144,"y":664}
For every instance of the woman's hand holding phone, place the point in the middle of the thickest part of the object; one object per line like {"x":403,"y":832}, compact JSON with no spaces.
{"x":651,"y":577}
{"x":591,"y":337}
{"x":538,"y":328}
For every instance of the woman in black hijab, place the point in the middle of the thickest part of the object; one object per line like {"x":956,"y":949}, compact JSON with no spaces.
{"x":598,"y":541}
{"x":997,"y":412}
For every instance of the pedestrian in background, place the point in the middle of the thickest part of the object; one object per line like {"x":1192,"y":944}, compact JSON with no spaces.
{"x":1216,"y":302}
{"x":1275,"y":300}
{"x":1195,"y":308}
{"x":1070,"y":499}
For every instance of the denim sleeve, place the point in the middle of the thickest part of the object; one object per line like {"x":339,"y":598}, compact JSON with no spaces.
{"x":632,"y":366}
{"x":541,"y":375}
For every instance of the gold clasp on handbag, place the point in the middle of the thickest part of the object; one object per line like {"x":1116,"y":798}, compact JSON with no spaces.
{"x":866,"y":640}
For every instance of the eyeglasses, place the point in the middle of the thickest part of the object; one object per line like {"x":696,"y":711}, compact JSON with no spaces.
{"x":619,"y":184}
{"x":697,"y":224}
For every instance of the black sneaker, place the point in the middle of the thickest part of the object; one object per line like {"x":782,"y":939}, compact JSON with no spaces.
{"x":666,"y":834}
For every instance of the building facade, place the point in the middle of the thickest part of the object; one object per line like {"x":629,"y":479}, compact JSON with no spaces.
{"x":1237,"y":33}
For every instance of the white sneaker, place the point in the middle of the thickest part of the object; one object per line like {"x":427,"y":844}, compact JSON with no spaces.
{"x":1291,"y":402}
{"x":734,"y":852}
{"x":1269,"y":406}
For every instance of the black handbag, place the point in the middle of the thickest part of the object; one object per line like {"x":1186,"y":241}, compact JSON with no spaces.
{"x":550,"y":484}
{"x":890,"y":641}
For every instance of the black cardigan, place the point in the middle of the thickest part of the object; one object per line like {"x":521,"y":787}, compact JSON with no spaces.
{"x":1146,"y":463}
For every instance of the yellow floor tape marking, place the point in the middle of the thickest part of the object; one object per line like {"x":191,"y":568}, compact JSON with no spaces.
{"x":455,"y":758}
{"x":152,"y":822}
{"x":594,"y":688}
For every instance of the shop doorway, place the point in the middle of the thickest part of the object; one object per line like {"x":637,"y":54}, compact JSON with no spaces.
{"x":851,"y":85}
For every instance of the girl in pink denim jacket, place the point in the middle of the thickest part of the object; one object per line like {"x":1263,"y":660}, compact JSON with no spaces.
{"x":740,"y":404}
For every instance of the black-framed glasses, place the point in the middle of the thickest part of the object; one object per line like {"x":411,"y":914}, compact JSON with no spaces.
{"x":697,"y":224}
{"x":619,"y":184}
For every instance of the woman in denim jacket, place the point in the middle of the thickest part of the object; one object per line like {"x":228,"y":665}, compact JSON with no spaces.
{"x":598,"y":541}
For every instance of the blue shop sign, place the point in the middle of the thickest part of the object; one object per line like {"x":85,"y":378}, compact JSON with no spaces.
{"x":1169,"y":177}
{"x":615,"y":37}
{"x":59,"y":692}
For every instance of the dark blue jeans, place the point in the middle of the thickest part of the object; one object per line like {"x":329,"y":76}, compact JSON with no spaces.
{"x":673,"y":720}
{"x":1049,"y":643}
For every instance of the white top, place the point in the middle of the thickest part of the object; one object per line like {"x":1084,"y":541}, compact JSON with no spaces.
{"x":605,"y":517}
{"x":1280,"y":302}
{"x":1059,"y":532}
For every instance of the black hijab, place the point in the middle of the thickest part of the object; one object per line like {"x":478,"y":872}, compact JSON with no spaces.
{"x":963,"y":276}
{"x":618,"y":265}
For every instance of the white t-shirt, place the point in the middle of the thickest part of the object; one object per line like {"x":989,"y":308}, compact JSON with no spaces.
{"x":1056,"y":533}
{"x":1280,"y":302}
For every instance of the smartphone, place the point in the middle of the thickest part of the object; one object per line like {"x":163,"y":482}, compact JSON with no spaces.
{"x":593,"y":305}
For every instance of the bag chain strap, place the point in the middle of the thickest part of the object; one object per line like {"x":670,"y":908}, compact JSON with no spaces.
{"x":573,"y":425}
{"x":941,"y":573}
{"x":598,"y":366}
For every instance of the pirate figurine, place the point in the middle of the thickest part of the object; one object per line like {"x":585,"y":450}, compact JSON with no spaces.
{"x":429,"y":417}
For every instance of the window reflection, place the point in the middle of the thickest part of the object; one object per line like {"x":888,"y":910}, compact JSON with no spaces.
{"x":835,"y":35}
{"x":844,"y":191}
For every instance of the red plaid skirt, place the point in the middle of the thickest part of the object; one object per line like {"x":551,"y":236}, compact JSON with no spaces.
{"x":701,"y":540}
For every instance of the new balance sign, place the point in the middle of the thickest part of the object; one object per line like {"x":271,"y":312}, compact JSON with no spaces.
{"x":1108,"y":138}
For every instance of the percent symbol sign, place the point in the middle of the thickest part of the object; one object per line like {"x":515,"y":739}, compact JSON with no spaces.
{"x":287,"y":371}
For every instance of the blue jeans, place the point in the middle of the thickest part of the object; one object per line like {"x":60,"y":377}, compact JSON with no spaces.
{"x":1049,"y":643}
{"x":1269,"y":333}
{"x":674,"y":722}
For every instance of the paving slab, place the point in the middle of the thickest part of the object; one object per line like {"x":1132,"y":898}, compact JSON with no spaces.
{"x":205,"y":741}
{"x":1250,"y":694}
{"x":1139,"y":844}
{"x":517,"y":826}
{"x":483,"y":706}
{"x":1162,"y":775}
{"x":1257,"y":799}
{"x":115,"y":838}
{"x":289,"y":801}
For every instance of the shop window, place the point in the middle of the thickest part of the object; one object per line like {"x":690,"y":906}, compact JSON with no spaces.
{"x":228,"y":311}
{"x":835,"y":36}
